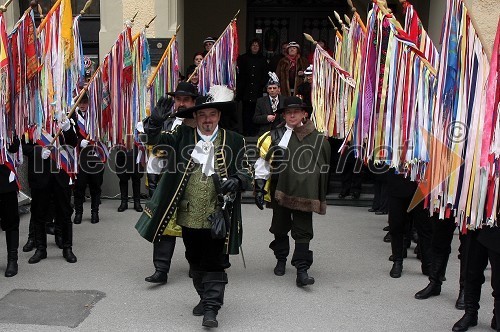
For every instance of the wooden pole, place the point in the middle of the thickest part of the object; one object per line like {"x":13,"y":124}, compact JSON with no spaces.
{"x":164,"y":55}
{"x":145,"y":27}
{"x":45,"y":19}
{"x":235,"y":18}
{"x":339,"y":35}
{"x":356,"y":15}
{"x":3,"y":8}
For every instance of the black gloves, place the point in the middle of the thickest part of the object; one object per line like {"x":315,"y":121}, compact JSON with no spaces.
{"x":259,"y":199}
{"x":162,"y":110}
{"x":230,"y":185}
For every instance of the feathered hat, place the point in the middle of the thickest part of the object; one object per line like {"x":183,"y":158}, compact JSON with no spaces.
{"x":219,"y":97}
{"x":273,"y":79}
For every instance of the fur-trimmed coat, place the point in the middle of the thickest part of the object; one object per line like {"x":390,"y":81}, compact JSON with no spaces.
{"x":299,"y":179}
{"x":283,"y":72}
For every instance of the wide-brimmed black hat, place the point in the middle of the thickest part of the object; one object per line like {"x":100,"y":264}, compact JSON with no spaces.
{"x":294,"y":102}
{"x":184,"y":89}
{"x":219,"y":97}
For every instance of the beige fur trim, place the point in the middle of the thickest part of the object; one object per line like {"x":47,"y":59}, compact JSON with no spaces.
{"x":300,"y":203}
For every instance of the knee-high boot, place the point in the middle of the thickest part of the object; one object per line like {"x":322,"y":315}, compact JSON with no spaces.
{"x":78,"y":200}
{"x":94,"y":206}
{"x":136,"y":191}
{"x":438,"y":269}
{"x":30,"y":244}
{"x":281,"y":248}
{"x":152,"y":183}
{"x":197,"y":277}
{"x":12,"y":239}
{"x":214,"y":284}
{"x":123,"y":196}
{"x":163,"y":251}
{"x":302,"y":260}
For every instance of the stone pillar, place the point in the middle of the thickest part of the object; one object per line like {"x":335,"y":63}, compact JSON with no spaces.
{"x":12,"y":15}
{"x":111,"y":25}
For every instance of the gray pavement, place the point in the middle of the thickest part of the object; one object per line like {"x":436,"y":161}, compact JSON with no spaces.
{"x":353,"y":290}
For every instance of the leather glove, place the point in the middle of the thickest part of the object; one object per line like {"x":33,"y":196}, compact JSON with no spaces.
{"x":84,"y":143}
{"x":65,"y":125}
{"x":162,"y":110}
{"x":230,"y":185}
{"x":45,"y":153}
{"x":259,"y":199}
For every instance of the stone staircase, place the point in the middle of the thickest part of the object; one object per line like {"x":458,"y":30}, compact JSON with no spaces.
{"x":365,"y":200}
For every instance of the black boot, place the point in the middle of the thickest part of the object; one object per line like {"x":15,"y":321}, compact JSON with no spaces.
{"x":439,"y":263}
{"x":302,"y":260}
{"x":397,"y":269}
{"x":136,"y":191}
{"x":58,"y":237}
{"x":197,"y":277}
{"x":460,"y":304}
{"x":78,"y":200}
{"x":152,"y":183}
{"x":163,"y":251}
{"x":94,"y":214}
{"x":38,"y":256}
{"x":281,"y":248}
{"x":469,"y":319}
{"x":68,"y":255}
{"x":124,"y":196}
{"x":214,"y":284}
{"x":12,"y":239}
{"x":30,"y":244}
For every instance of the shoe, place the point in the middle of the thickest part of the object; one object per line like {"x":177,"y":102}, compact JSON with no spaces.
{"x":279,"y":270}
{"x":372,"y":210}
{"x":468,"y":319}
{"x":397,"y":268}
{"x":380,"y":213}
{"x":78,"y":218}
{"x":123,"y":206}
{"x":386,"y":228}
{"x":94,"y":217}
{"x":460,"y":304}
{"x":303,"y":279}
{"x":30,"y":245}
{"x":69,"y":256}
{"x":356,"y":195}
{"x":137,"y":206}
{"x":387,"y":237}
{"x":38,"y":256}
{"x":430,"y":290}
{"x":157,"y":278}
{"x":198,"y":310}
{"x":210,"y":319}
{"x":12,"y":268}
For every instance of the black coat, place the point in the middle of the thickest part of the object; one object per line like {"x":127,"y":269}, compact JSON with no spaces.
{"x":40,"y":171}
{"x":252,"y":76}
{"x":262,"y":110}
{"x":5,"y":185}
{"x":400,"y":186}
{"x":490,"y":238}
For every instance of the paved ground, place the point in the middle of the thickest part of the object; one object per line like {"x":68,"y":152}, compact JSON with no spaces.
{"x":353,"y":290}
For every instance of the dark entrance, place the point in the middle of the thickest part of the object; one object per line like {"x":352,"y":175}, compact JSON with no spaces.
{"x":278,"y":21}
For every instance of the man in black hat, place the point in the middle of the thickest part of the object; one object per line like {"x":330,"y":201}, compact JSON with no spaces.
{"x":184,"y":97}
{"x":265,"y":117}
{"x":211,"y":168}
{"x":294,"y":186}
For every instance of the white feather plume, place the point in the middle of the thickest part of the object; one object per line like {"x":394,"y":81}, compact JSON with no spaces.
{"x":219,"y":94}
{"x":274,"y":77}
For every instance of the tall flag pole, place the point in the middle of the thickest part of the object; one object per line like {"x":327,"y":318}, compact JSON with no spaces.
{"x":218,"y":67}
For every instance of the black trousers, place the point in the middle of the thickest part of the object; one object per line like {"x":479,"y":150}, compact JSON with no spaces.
{"x":298,"y":222}
{"x":41,"y":200}
{"x":93,"y":180}
{"x":477,"y":261}
{"x":400,"y":221}
{"x":9,"y":212}
{"x":203,"y":253}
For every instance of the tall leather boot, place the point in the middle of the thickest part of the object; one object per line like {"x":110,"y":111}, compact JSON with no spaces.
{"x":30,"y":244}
{"x":281,"y":248}
{"x":472,"y":296}
{"x":214,"y":284}
{"x":302,"y":259}
{"x":425,"y":252}
{"x":398,"y":247}
{"x":439,"y":264}
{"x":136,"y":191}
{"x":40,"y":242}
{"x":152,"y":183}
{"x":197,"y":277}
{"x":163,"y":251}
{"x":78,"y":201}
{"x":67,"y":234}
{"x":12,"y":239}
{"x":460,"y":304}
{"x":94,"y":206}
{"x":58,"y":237}
{"x":124,"y":196}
